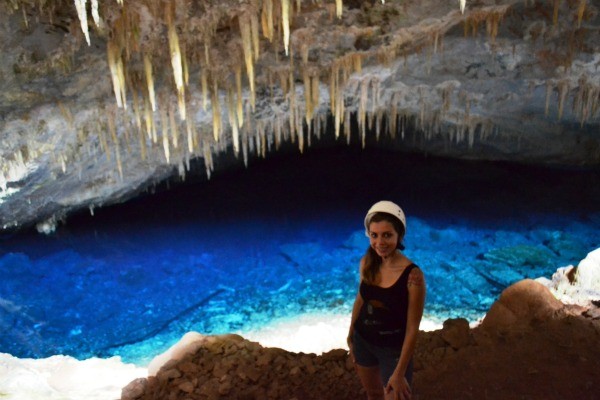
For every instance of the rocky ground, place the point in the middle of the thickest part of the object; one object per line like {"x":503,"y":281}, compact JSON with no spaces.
{"x":529,"y":346}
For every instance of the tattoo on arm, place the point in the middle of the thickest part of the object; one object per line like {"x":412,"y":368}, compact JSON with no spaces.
{"x":416,"y":278}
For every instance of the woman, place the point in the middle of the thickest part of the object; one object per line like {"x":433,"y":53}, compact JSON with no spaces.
{"x":388,"y":308}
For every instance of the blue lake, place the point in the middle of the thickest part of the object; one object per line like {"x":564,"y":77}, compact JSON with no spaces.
{"x":284,"y":238}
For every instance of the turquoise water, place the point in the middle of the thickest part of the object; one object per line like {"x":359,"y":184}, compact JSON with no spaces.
{"x":281,"y":238}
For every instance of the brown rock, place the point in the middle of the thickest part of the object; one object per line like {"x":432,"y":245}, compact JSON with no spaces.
{"x":521,"y":303}
{"x":456,"y":332}
{"x":169,"y":374}
{"x":187,"y":387}
{"x":134,"y":390}
{"x":188,"y":367}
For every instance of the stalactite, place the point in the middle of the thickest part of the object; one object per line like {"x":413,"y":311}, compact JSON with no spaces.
{"x":378,"y":122}
{"x":181,"y":170}
{"x":191,"y":143}
{"x":149,"y":121}
{"x":375,"y":94}
{"x":421,"y":108}
{"x":245,"y":148}
{"x":113,"y":133}
{"x":446,"y":94}
{"x":25,"y":20}
{"x":300,"y":134}
{"x":555,"y":12}
{"x":333,"y":82}
{"x":80,"y":5}
{"x":208,"y":163}
{"x":96,"y":14}
{"x":580,"y":12}
{"x":322,"y":125}
{"x":149,"y":81}
{"x":285,"y":21}
{"x":248,"y":56}
{"x":277,"y":128}
{"x":463,"y":4}
{"x":549,"y":88}
{"x":347,"y":126}
{"x":362,"y":108}
{"x":339,"y":110}
{"x":115,"y":64}
{"x":231,"y":112}
{"x":471,"y":132}
{"x":216,"y":111}
{"x":204,"y":84}
{"x":142,"y":144}
{"x":315,"y":92}
{"x":586,"y":100}
{"x":264,"y":140}
{"x":103,"y":142}
{"x":292,"y":104}
{"x":267,"y":19}
{"x":357,"y":62}
{"x":255,"y":36}
{"x":563,"y":90}
{"x":165,"y":133}
{"x":392,"y":116}
{"x":136,"y":110}
{"x":308,"y":98}
{"x":176,"y":59}
{"x":338,"y":8}
{"x":240,"y":99}
{"x":173,"y":129}
{"x":185,"y":67}
{"x":492,"y":22}
{"x":248,"y":130}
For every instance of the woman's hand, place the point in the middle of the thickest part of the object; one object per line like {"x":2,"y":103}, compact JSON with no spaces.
{"x":350,"y":348}
{"x":397,"y":388}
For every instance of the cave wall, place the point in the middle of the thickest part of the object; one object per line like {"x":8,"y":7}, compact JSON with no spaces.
{"x":98,"y":107}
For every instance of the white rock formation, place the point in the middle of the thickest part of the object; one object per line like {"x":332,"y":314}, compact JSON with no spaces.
{"x":577,"y":285}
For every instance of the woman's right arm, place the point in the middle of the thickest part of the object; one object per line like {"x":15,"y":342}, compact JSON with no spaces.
{"x":358,"y":302}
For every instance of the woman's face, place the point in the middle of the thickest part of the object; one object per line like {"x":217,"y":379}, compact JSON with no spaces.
{"x":383,"y":238}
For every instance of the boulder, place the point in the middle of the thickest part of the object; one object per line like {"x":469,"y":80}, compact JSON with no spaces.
{"x":520,"y":304}
{"x":456,"y":333}
{"x":134,"y":390}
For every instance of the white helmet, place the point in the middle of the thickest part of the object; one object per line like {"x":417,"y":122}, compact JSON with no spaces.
{"x":385,"y":207}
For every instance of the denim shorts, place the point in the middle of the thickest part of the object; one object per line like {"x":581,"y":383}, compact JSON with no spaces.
{"x":370,"y":355}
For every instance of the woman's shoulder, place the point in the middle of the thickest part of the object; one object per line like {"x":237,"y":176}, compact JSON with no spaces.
{"x":416,"y":276}
{"x":363,"y":262}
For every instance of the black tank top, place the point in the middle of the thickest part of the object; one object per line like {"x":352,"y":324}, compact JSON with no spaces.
{"x":382,"y":317}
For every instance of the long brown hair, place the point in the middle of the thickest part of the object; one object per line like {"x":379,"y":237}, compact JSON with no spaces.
{"x":372,"y":261}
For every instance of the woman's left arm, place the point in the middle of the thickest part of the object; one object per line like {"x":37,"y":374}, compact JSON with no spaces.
{"x":416,"y":304}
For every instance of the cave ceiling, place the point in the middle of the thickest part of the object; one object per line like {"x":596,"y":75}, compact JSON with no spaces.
{"x":100,"y":100}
